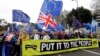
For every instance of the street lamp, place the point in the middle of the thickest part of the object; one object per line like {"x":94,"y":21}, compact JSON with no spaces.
{"x":76,"y":2}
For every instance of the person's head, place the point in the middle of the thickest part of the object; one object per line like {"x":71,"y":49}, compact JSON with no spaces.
{"x":35,"y":31}
{"x":20,"y":32}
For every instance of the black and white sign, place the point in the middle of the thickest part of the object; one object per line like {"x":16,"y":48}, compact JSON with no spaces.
{"x":54,"y":46}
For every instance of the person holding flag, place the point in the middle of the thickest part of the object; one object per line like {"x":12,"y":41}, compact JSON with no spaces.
{"x":9,"y":40}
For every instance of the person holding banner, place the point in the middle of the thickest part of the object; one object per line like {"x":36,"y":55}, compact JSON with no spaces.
{"x":65,"y":35}
{"x":36,"y":35}
{"x":51,"y":34}
{"x":46,"y":36}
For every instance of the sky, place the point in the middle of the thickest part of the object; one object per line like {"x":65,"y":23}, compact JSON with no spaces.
{"x":32,"y":7}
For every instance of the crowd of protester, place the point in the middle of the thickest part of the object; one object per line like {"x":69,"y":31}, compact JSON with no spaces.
{"x":13,"y":45}
{"x":45,"y":35}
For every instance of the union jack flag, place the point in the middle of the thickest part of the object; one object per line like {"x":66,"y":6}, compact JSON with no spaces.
{"x":49,"y":10}
{"x":47,"y":20}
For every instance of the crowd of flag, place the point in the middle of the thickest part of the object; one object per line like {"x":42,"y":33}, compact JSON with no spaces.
{"x":49,"y":10}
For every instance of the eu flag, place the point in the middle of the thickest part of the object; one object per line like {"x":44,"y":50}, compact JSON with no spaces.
{"x":60,"y":27}
{"x":53,"y":7}
{"x":39,"y":27}
{"x":76,"y":23}
{"x":20,"y":16}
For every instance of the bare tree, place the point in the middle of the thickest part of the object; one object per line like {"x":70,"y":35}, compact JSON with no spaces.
{"x":96,"y":4}
{"x":96,"y":7}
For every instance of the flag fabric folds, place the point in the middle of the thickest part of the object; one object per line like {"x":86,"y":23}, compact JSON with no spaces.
{"x":47,"y":20}
{"x":60,"y":27}
{"x":20,"y":16}
{"x":93,"y":25}
{"x":39,"y":27}
{"x":76,"y":23}
{"x":13,"y":27}
{"x":29,"y":28}
{"x":49,"y":9}
{"x":53,"y":7}
{"x":87,"y":26}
